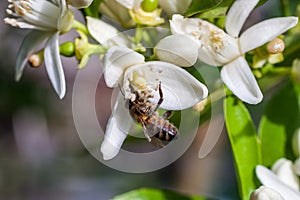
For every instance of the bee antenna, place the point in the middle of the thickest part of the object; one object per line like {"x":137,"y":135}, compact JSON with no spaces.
{"x":131,"y":88}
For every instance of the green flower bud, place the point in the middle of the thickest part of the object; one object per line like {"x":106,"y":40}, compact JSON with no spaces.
{"x":149,"y":5}
{"x":67,"y":49}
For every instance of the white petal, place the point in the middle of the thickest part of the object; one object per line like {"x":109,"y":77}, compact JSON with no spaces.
{"x":265,"y":31}
{"x":174,"y":6}
{"x":100,"y":30}
{"x":284,"y":170}
{"x":130,"y":4}
{"x":180,"y":89}
{"x":53,"y":65}
{"x":45,"y":7}
{"x":117,"y":129}
{"x":28,"y":46}
{"x":240,"y":80}
{"x":116,"y":12}
{"x":178,"y":49}
{"x":63,"y":8}
{"x":265,"y":193}
{"x":237,"y":15}
{"x":297,"y":166}
{"x":116,"y":60}
{"x":104,"y":33}
{"x":269,"y":179}
{"x":181,"y":25}
{"x":80,"y":3}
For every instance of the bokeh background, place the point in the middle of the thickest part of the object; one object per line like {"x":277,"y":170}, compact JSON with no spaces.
{"x":42,"y":157}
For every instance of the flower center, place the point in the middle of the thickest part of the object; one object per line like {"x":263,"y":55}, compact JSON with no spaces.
{"x":146,"y":18}
{"x":138,"y":81}
{"x":210,"y":37}
{"x":20,"y":7}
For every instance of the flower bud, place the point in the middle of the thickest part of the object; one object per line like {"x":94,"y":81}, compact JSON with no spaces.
{"x":275,"y":46}
{"x":284,"y":170}
{"x":201,"y":105}
{"x":35,"y":60}
{"x":149,"y":5}
{"x":80,"y":3}
{"x":67,"y":49}
{"x":177,"y":49}
{"x":265,"y":193}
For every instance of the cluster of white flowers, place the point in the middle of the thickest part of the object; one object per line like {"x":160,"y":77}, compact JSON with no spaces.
{"x":282,"y":181}
{"x":191,"y":39}
{"x":47,"y":19}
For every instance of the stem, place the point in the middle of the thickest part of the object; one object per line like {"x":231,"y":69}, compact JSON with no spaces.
{"x":281,"y":70}
{"x":138,"y":34}
{"x":285,"y":7}
{"x":79,"y":26}
{"x":96,"y":48}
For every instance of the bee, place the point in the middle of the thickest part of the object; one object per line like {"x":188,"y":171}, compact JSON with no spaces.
{"x":145,"y":113}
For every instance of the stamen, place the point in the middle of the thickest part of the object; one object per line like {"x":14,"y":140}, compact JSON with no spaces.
{"x":210,"y":37}
{"x":217,"y":39}
{"x":25,"y":5}
{"x":10,"y":12}
{"x":11,"y":21}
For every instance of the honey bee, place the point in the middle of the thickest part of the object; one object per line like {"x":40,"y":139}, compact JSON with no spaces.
{"x":145,"y":113}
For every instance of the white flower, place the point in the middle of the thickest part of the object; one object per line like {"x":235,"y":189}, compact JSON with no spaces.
{"x":127,"y":68}
{"x":48,"y":19}
{"x":218,"y":48}
{"x":270,"y":180}
{"x":265,"y":193}
{"x":284,"y":169}
{"x":80,"y":3}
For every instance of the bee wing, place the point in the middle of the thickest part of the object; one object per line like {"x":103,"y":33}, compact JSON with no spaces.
{"x":157,"y":142}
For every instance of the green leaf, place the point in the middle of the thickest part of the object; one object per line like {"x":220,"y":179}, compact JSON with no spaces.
{"x":214,"y":8}
{"x":198,"y":6}
{"x":278,"y":124}
{"x":92,"y":10}
{"x":243,"y":139}
{"x":150,"y":194}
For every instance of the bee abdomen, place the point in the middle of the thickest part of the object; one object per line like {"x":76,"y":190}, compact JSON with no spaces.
{"x":163,"y":129}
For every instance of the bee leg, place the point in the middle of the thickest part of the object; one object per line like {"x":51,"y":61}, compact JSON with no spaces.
{"x":147,"y":135}
{"x":167,"y":114}
{"x":161,"y":98}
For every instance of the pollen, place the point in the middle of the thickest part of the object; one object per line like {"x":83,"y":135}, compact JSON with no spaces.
{"x":217,"y":39}
{"x":210,"y":37}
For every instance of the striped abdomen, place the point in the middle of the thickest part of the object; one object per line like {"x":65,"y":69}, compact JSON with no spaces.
{"x":161,"y":128}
